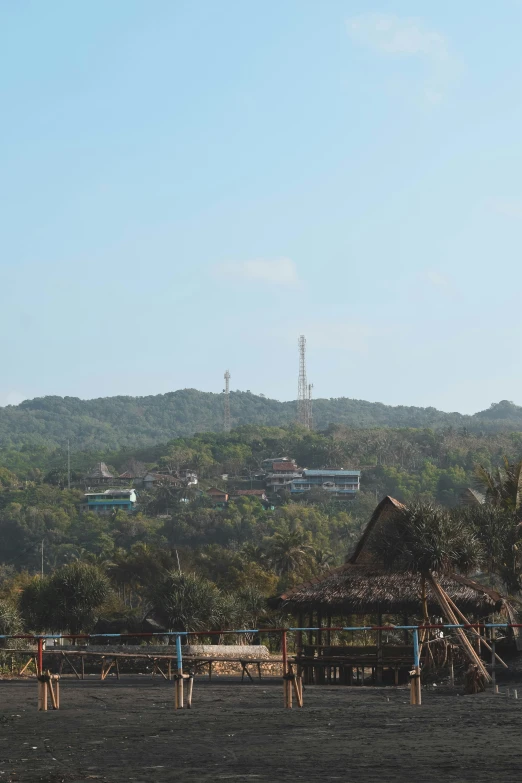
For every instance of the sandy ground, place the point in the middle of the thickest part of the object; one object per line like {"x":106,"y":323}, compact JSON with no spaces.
{"x":128,"y":731}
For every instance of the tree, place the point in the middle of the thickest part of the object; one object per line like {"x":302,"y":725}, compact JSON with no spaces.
{"x":289,"y":550}
{"x":499,"y":531}
{"x":186,"y":602}
{"x":69,"y":600}
{"x":503,"y":486}
{"x":426,"y":539}
{"x":10,"y":621}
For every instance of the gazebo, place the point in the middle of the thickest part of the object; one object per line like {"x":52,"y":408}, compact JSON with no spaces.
{"x":362,"y":592}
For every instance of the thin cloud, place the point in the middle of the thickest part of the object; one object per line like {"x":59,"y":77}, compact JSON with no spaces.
{"x":440,"y":282}
{"x":511,"y":209}
{"x":279,"y":271}
{"x":398,"y":36}
{"x":347,"y":336}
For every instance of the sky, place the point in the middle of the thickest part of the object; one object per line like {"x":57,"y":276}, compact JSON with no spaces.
{"x":187,"y":187}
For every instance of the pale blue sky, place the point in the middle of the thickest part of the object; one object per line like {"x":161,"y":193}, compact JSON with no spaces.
{"x":188,"y":186}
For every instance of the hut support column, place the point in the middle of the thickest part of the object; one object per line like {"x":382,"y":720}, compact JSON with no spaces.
{"x":379,"y":651}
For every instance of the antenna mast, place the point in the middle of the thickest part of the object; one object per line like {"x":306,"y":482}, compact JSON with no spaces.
{"x":304,"y":390}
{"x":226,"y":405}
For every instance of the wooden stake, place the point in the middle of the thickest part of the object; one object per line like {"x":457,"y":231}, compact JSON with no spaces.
{"x":413,"y":688}
{"x":189,"y":694}
{"x":42,"y":696}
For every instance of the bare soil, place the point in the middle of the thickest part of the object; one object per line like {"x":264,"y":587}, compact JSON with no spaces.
{"x":127,"y":730}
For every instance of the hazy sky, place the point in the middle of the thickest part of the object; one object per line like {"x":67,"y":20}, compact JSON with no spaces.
{"x":188,"y":186}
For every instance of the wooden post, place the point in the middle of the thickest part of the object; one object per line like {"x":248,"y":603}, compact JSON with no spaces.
{"x":178,"y":689}
{"x":493,"y":673}
{"x":311,"y":625}
{"x":379,"y":651}
{"x":299,"y":634}
{"x":190,"y":688}
{"x":39,"y":658}
{"x":42,"y":696}
{"x":287,"y":685}
{"x":415,"y":681}
{"x":451,"y":669}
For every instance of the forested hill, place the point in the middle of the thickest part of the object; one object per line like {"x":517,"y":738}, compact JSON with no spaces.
{"x":114,"y":422}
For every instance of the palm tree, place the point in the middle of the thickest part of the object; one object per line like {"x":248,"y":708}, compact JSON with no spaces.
{"x":426,"y":539}
{"x":499,"y":531}
{"x":70,"y":599}
{"x":289,"y":550}
{"x":186,"y":602}
{"x":503,"y":486}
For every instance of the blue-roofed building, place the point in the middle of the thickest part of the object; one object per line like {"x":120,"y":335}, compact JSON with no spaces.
{"x":341,"y":483}
{"x":110,"y":500}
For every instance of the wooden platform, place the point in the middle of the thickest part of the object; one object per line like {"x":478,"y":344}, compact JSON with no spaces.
{"x":163,"y":664}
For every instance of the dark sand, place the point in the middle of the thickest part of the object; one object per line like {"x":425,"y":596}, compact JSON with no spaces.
{"x":128,"y":731}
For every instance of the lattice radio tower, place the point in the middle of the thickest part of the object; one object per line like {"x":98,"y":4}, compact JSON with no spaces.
{"x":304,"y":389}
{"x":226,"y":404}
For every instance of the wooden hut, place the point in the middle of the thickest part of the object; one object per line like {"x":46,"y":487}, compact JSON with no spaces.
{"x":364,"y":592}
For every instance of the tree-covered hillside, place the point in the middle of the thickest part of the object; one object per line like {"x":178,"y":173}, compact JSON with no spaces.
{"x":114,"y":422}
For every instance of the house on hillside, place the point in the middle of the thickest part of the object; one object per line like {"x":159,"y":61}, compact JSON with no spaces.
{"x":109,"y":500}
{"x":279,"y":473}
{"x":189,"y":477}
{"x":100,"y":474}
{"x":218,"y":497}
{"x":260,"y":494}
{"x":153,"y":479}
{"x":339,"y":483}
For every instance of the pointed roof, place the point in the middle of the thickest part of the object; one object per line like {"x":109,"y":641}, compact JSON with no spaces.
{"x":383,"y":511}
{"x":362,"y":586}
{"x":100,"y":470}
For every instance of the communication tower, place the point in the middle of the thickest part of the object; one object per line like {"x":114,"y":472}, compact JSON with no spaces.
{"x":304,"y":390}
{"x":226,"y":404}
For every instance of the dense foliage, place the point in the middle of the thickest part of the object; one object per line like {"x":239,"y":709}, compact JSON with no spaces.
{"x":177,"y":549}
{"x":113,"y":422}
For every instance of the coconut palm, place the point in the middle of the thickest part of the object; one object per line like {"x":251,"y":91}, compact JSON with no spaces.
{"x":503,"y":486}
{"x":428,"y":540}
{"x":499,"y":531}
{"x":289,"y":550}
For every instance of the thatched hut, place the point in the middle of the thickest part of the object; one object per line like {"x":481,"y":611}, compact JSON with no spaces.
{"x":365,"y":588}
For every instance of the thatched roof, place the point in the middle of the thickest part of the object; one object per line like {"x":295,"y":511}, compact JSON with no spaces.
{"x":367,"y":589}
{"x":362,"y":586}
{"x":100,"y":471}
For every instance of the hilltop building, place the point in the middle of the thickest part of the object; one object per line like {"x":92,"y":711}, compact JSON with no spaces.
{"x":279,"y":472}
{"x":109,"y":500}
{"x":340,"y":483}
{"x":100,"y":474}
{"x":218,"y":497}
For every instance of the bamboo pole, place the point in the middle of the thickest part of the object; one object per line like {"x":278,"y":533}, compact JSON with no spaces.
{"x":474,"y":630}
{"x":42,"y":696}
{"x":452,"y":619}
{"x":189,"y":693}
{"x":178,"y":688}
